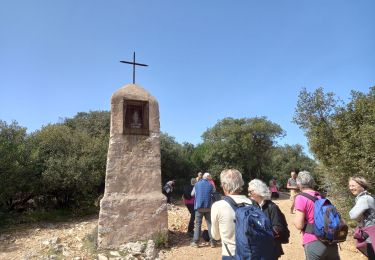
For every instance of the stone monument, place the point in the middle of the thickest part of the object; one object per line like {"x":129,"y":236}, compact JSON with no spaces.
{"x":133,"y":207}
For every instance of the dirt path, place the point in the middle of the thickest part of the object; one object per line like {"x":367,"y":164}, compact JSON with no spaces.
{"x":178,"y":219}
{"x":75,"y":240}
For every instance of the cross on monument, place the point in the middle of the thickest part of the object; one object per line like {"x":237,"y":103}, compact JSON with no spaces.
{"x":134,"y":63}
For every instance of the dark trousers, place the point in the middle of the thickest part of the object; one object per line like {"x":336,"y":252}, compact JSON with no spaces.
{"x":190,"y":207}
{"x":168,"y":195}
{"x":316,"y":250}
{"x":370,"y":252}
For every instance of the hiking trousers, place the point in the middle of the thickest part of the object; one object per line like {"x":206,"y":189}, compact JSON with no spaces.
{"x":317,"y":250}
{"x":198,"y":224}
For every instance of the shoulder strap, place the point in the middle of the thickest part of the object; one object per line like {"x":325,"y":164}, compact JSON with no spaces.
{"x":226,"y":247}
{"x":234,"y":206}
{"x":309,"y":228}
{"x":231,"y":202}
{"x":310,"y":197}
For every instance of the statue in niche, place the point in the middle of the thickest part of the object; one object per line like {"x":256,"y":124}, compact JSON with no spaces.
{"x":136,"y":122}
{"x":135,"y":117}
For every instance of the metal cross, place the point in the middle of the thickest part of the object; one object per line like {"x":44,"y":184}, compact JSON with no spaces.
{"x":134,"y":63}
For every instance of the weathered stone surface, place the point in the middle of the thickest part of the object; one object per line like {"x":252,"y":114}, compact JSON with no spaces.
{"x":150,"y":251}
{"x":133,"y":207}
{"x":134,"y":248}
{"x":114,"y":253}
{"x":102,"y":257}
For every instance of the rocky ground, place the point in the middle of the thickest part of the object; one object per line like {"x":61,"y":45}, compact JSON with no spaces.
{"x":73,"y":240}
{"x":76,"y":240}
{"x":70,"y":240}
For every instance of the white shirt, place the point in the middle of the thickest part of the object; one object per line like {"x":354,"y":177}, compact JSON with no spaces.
{"x":222,"y":223}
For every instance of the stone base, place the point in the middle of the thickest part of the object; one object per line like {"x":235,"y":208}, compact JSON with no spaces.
{"x":127,"y":218}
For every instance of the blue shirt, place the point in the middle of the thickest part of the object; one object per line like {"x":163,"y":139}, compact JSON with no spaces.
{"x":203,"y":191}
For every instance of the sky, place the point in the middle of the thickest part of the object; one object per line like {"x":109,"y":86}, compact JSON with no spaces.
{"x":207,"y":59}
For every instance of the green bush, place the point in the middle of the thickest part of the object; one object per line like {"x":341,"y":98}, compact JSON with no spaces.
{"x":340,"y":137}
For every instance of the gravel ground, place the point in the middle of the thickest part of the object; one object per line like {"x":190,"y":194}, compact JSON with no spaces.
{"x":74,"y":240}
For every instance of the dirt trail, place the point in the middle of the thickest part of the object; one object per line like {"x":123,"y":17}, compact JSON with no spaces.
{"x":35,"y":241}
{"x":178,"y":219}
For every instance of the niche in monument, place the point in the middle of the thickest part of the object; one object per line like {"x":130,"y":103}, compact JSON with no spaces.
{"x":136,"y":117}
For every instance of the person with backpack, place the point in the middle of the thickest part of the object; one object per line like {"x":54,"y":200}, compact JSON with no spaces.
{"x":304,"y":220}
{"x":259,"y":192}
{"x":223,"y":215}
{"x":189,"y":203}
{"x":364,"y":212}
{"x":238,"y":223}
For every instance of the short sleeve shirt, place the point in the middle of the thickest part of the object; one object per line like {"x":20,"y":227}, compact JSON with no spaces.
{"x":292,"y":182}
{"x":306,"y":206}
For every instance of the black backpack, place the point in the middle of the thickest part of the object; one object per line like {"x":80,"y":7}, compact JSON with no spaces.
{"x":205,"y":235}
{"x":215,"y":196}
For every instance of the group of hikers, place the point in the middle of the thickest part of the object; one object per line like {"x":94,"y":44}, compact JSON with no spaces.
{"x":254,"y":227}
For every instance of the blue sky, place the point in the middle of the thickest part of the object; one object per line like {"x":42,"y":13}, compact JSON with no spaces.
{"x":207,"y":59}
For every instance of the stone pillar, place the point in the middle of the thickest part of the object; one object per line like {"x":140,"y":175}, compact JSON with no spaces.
{"x":133,"y":207}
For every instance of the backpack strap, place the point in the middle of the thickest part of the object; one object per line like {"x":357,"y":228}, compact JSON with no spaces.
{"x":309,"y":228}
{"x":310,"y":197}
{"x":226,"y":247}
{"x":231,"y":202}
{"x":234,"y":206}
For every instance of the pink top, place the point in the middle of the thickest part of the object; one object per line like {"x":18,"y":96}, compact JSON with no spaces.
{"x":273,"y":189}
{"x":213,"y":183}
{"x":306,"y":206}
{"x":190,"y":201}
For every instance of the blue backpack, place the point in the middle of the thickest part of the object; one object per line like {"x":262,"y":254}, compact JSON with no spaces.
{"x":254,"y":237}
{"x":327,"y":225}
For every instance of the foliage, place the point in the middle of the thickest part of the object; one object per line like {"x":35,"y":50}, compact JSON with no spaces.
{"x":199,"y":158}
{"x":175,"y":163}
{"x":94,"y":123}
{"x":284,"y":159}
{"x":71,"y":162}
{"x":160,"y":239}
{"x":18,"y":182}
{"x":62,"y":166}
{"x":340,"y":136}
{"x":314,"y":114}
{"x":244,"y":144}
